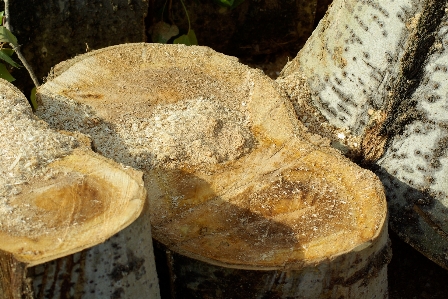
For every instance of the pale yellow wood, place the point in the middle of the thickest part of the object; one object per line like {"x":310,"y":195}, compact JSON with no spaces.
{"x":57,"y":197}
{"x":234,"y":180}
{"x":89,"y":200}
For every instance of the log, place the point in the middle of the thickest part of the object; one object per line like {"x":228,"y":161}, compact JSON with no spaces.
{"x":244,"y":203}
{"x":58,"y":202}
{"x":374,"y":73}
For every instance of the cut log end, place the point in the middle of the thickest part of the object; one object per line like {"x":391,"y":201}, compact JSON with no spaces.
{"x":85,"y":201}
{"x":57,"y":197}
{"x":295,"y":210}
{"x":233,"y":179}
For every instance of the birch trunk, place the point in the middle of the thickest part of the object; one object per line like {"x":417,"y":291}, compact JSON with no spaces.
{"x":375,"y":72}
{"x":58,"y":202}
{"x":244,"y":203}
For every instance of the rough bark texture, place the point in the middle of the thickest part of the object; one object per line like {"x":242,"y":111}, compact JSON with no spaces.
{"x":58,"y":198}
{"x":374,"y":70}
{"x":121,"y":267}
{"x":236,"y":185}
{"x":53,"y":31}
{"x":13,"y":283}
{"x":352,"y":59}
{"x":414,"y":168}
{"x":190,"y":278}
{"x":321,"y":10}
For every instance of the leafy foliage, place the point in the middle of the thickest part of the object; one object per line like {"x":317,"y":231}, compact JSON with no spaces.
{"x":33,"y":100}
{"x":7,"y":39}
{"x":162,"y":32}
{"x":187,"y":39}
{"x":4,"y":73}
{"x":229,"y":3}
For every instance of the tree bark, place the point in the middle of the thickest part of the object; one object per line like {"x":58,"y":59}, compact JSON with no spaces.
{"x":58,"y":200}
{"x":240,"y":194}
{"x":374,"y":72}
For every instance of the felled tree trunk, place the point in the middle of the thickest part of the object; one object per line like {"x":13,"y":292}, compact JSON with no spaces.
{"x":244,"y":203}
{"x":375,"y":73}
{"x":58,"y":202}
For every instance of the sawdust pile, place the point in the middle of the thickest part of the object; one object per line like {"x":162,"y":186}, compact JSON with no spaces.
{"x":28,"y":146}
{"x":189,"y":132}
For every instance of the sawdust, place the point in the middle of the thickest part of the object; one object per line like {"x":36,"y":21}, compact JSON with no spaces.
{"x":171,"y":122}
{"x":28,"y":146}
{"x":191,"y":132}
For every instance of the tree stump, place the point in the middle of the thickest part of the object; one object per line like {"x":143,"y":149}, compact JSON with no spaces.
{"x":375,"y":75}
{"x":244,"y":203}
{"x":58,"y":199}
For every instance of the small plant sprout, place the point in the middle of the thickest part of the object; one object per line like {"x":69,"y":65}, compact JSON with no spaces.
{"x":9,"y":39}
{"x":6,"y":38}
{"x":229,"y":3}
{"x":189,"y":38}
{"x":162,"y":32}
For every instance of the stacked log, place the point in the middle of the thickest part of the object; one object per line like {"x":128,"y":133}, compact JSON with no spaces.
{"x":243,"y":201}
{"x":65,"y":213}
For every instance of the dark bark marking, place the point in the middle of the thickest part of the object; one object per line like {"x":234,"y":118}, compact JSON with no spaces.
{"x":400,"y":109}
{"x":372,"y":268}
{"x":134,"y":264}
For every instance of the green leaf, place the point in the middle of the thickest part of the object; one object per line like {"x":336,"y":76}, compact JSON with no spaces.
{"x":192,"y":37}
{"x":7,"y":37}
{"x":8,"y":51}
{"x":33,"y":99}
{"x":183,"y":39}
{"x":4,"y":56}
{"x":161,"y":32}
{"x":229,"y":3}
{"x":225,"y":3}
{"x":187,"y":39}
{"x":2,"y":13}
{"x":4,"y":73}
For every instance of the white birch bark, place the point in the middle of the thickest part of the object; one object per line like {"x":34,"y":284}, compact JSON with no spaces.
{"x":375,"y":71}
